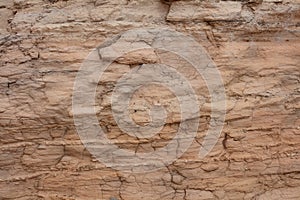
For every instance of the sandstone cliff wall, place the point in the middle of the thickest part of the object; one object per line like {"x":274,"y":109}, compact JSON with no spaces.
{"x":254,"y":44}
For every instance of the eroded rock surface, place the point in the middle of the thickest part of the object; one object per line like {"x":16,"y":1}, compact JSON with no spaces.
{"x":255,"y":45}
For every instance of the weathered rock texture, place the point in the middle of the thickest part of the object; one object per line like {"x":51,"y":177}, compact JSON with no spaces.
{"x":255,"y":45}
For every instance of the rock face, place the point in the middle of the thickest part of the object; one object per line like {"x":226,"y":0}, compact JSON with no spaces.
{"x":255,"y":46}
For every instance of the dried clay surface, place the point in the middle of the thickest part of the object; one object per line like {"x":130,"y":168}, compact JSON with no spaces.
{"x":255,"y":45}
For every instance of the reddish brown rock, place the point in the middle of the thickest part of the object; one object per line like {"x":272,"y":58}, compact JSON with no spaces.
{"x":255,"y":46}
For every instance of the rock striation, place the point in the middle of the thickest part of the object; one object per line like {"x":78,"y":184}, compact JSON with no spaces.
{"x":254,"y":44}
